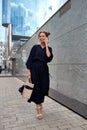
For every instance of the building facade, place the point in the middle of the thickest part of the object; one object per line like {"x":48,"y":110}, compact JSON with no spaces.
{"x":14,"y":14}
{"x":2,"y":53}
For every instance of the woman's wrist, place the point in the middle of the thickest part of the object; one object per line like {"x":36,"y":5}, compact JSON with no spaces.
{"x":46,"y":45}
{"x":29,"y":73}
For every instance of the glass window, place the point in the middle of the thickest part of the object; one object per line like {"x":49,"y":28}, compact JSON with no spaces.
{"x":27,"y":16}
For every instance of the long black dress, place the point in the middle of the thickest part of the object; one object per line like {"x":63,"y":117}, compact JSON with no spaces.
{"x":37,"y":63}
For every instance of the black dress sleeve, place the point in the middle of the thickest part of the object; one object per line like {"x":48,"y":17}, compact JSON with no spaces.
{"x":29,"y":60}
{"x":51,"y":57}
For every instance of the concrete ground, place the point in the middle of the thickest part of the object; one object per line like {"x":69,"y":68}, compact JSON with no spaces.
{"x":17,"y":114}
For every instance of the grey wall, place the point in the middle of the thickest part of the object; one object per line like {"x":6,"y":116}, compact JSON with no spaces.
{"x":68,"y":69}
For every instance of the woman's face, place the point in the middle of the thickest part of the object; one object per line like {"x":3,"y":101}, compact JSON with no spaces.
{"x":42,"y":37}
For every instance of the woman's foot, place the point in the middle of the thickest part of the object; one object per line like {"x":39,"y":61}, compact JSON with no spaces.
{"x":39,"y":116}
{"x":39,"y":111}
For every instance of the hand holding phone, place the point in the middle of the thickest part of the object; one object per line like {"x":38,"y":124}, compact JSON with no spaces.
{"x":46,"y":41}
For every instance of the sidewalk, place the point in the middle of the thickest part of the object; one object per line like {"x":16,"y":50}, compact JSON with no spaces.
{"x":17,"y":114}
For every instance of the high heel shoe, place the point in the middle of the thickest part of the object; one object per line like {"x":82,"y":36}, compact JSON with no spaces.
{"x":39,"y":111}
{"x":39,"y":116}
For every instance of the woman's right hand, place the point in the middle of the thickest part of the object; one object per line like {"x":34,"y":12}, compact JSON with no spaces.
{"x":29,"y":74}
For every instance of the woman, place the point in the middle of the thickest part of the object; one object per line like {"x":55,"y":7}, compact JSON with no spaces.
{"x":38,"y":70}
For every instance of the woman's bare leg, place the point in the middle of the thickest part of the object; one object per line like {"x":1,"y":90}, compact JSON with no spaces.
{"x":39,"y":111}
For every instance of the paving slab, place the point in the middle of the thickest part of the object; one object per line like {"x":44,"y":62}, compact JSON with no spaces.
{"x":17,"y":114}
